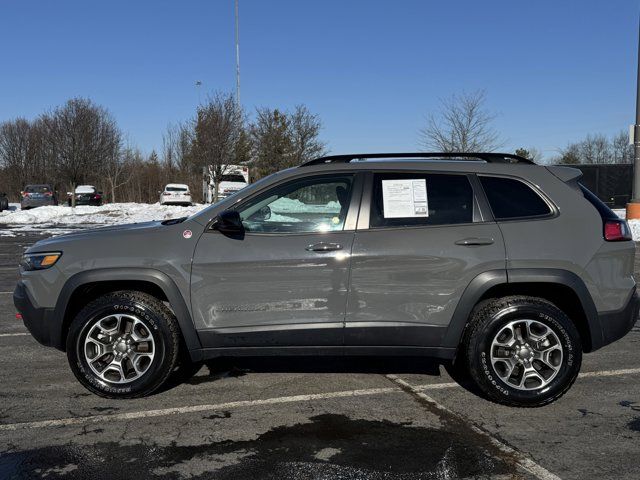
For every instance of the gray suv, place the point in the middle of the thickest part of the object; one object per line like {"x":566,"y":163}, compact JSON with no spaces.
{"x":508,"y":269}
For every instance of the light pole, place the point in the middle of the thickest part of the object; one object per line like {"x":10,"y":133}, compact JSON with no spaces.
{"x":198,"y":85}
{"x":237,"y":57}
{"x":633,"y":208}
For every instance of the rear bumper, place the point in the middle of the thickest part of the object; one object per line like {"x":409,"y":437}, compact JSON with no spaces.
{"x":175,"y":200}
{"x":33,"y":203}
{"x":40,"y":322}
{"x":616,"y":325}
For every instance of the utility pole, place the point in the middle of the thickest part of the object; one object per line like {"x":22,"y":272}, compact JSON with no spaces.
{"x":633,"y":208}
{"x":237,"y":57}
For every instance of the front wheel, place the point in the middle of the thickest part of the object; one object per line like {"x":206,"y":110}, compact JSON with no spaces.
{"x":522,"y":351}
{"x":123,"y":344}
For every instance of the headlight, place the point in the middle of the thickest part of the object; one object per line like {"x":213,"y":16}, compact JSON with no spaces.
{"x":39,"y":261}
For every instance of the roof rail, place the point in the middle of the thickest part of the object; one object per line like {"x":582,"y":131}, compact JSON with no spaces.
{"x":454,"y":156}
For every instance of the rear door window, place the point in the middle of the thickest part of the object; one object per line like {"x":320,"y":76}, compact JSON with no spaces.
{"x":510,"y":198}
{"x":402,"y":199}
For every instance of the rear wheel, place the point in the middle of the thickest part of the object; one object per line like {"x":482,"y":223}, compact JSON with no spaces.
{"x":522,"y":351}
{"x":123,"y":344}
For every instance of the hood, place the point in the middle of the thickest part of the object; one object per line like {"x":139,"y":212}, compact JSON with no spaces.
{"x":102,"y":233}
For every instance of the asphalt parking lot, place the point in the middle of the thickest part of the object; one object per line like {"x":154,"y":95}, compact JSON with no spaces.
{"x":293,"y":418}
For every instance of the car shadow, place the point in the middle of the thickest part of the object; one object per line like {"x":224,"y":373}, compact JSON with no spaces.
{"x":213,"y":370}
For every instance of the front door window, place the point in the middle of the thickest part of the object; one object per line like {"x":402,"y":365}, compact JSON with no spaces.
{"x":310,"y":205}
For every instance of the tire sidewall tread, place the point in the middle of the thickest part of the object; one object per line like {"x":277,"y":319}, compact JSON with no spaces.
{"x":164,"y":328}
{"x":486,"y":320}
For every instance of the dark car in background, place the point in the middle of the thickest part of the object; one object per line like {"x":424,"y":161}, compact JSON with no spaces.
{"x":85,"y":195}
{"x":37,"y":196}
{"x":4,"y":202}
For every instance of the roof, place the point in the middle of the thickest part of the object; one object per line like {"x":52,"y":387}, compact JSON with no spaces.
{"x":487,"y":157}
{"x":85,"y":189}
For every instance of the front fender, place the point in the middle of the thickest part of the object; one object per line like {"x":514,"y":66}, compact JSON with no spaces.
{"x":156,"y":277}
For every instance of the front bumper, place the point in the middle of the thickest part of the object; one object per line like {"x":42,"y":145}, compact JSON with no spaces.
{"x":616,"y":325}
{"x":40,"y":322}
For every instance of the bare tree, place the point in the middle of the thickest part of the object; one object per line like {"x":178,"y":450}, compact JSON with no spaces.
{"x":15,"y":151}
{"x":283,"y":139}
{"x":305,"y":130}
{"x":621,"y":150}
{"x":84,"y":137}
{"x":595,"y":149}
{"x":598,"y":149}
{"x":217,"y":130}
{"x":272,"y":142}
{"x":532,"y":153}
{"x":115,"y":170}
{"x":462,"y":125}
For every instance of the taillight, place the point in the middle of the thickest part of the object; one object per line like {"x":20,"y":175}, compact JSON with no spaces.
{"x":616,"y":231}
{"x":98,"y":197}
{"x":47,"y":194}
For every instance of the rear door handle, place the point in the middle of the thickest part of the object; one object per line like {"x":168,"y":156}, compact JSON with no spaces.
{"x":324,"y":247}
{"x":475,"y":241}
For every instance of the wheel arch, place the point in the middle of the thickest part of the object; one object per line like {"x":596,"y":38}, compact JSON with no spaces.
{"x":561,"y":287}
{"x":87,"y":285}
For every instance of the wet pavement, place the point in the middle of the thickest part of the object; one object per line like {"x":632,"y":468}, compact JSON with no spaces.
{"x":307,"y":419}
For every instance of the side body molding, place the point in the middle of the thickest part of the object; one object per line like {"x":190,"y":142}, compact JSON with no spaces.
{"x":156,"y":277}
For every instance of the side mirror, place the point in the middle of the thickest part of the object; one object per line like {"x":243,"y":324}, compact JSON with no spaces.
{"x":265,"y":213}
{"x":229,"y":223}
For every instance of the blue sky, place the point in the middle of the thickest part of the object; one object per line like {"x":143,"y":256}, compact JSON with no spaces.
{"x":552,"y":71}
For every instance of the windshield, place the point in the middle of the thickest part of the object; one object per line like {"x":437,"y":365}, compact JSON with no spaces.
{"x":233,"y":178}
{"x":37,"y":189}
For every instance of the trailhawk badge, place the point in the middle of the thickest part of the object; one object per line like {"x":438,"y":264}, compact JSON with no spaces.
{"x":187,"y":234}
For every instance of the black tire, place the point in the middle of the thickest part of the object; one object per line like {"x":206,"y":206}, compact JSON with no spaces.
{"x":487,"y":320}
{"x":154,"y":315}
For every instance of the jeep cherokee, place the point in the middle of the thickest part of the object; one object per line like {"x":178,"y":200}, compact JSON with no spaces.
{"x":510,"y":270}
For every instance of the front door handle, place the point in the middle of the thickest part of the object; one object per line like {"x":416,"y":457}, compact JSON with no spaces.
{"x":475,"y":241}
{"x":324,"y":247}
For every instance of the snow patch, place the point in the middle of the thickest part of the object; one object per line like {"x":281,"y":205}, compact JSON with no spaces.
{"x":52,"y":218}
{"x":291,"y":205}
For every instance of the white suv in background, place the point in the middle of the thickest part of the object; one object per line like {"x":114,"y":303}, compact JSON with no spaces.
{"x":176,"y":194}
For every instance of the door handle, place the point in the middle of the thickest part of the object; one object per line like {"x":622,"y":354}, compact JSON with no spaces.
{"x":324,"y":247}
{"x":475,"y":241}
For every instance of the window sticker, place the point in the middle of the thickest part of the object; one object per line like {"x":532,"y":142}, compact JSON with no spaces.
{"x":405,"y":198}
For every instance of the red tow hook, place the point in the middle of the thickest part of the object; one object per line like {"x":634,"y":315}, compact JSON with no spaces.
{"x":18,"y":316}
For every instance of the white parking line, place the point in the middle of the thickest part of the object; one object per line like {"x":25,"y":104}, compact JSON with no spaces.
{"x":21,"y":334}
{"x":6,"y":293}
{"x":602,"y":373}
{"x":521,"y":459}
{"x":268,"y":401}
{"x":194,"y":409}
{"x":610,"y":373}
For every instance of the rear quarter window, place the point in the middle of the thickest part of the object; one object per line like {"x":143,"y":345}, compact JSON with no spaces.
{"x":510,"y":198}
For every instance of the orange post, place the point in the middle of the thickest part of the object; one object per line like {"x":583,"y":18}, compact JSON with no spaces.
{"x":633,"y":211}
